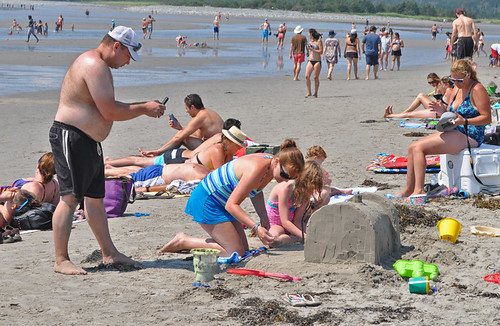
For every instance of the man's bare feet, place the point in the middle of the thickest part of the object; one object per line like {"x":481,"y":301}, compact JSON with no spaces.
{"x":175,"y":244}
{"x":67,"y":267}
{"x":308,"y":95}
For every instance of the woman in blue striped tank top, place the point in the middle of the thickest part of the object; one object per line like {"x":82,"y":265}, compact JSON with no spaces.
{"x":216,"y":202}
{"x":471,"y":104}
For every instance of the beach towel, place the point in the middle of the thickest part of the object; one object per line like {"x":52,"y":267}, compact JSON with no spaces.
{"x":402,"y":170}
{"x":182,"y":187}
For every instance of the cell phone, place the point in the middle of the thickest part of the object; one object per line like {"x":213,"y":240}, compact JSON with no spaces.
{"x":173,"y":119}
{"x":165,"y":100}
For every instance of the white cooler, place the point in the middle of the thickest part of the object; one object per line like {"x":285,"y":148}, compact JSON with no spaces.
{"x":456,"y":170}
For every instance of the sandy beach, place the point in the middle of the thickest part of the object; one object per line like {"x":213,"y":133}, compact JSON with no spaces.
{"x":346,"y":120}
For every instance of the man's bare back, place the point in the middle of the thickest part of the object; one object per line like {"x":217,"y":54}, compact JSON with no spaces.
{"x":464,"y":26}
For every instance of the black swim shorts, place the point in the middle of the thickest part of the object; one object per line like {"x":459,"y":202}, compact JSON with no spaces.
{"x":78,"y":161}
{"x":372,"y":59}
{"x":465,"y":47}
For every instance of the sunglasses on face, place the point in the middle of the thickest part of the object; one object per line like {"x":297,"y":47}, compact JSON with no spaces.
{"x":24,"y":204}
{"x":458,"y":80}
{"x":283,"y":174}
{"x":432,"y":82}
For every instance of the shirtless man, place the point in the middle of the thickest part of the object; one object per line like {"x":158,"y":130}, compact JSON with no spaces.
{"x":150,"y":25}
{"x":87,"y":109}
{"x":205,"y":124}
{"x":216,"y":27}
{"x":465,"y":30}
{"x":266,"y":31}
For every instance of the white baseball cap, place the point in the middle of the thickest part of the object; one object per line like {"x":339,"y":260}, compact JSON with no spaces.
{"x":127,"y":37}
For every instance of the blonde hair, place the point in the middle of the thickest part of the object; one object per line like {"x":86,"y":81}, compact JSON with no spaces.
{"x":291,"y":157}
{"x":317,"y":151}
{"x":464,"y":66}
{"x":308,"y":182}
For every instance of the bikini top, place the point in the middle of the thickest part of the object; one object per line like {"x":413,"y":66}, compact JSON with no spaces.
{"x":21,"y":182}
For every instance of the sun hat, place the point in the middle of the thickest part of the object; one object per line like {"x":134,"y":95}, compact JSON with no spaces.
{"x":298,"y":29}
{"x":235,"y":135}
{"x":127,"y":37}
{"x":446,"y":123}
{"x":332,"y":33}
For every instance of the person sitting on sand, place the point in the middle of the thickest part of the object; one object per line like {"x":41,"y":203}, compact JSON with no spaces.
{"x":15,"y":201}
{"x":174,"y":156}
{"x":317,"y":154}
{"x":44,"y":186}
{"x":439,"y":93}
{"x":216,"y":202}
{"x":471,"y":104}
{"x":288,"y":201}
{"x":205,"y":124}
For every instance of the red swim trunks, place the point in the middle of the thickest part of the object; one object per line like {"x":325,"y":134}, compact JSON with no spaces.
{"x":494,"y":53}
{"x":299,"y":58}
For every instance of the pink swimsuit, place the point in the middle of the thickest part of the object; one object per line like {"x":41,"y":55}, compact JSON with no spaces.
{"x":273,"y":212}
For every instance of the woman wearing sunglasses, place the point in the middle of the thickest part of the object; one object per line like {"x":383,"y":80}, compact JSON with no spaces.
{"x":14,"y":201}
{"x":470,"y":102}
{"x":216,"y":202}
{"x":440,"y":93}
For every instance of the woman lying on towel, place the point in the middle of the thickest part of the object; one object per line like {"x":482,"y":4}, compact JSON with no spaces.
{"x":193,"y":169}
{"x":15,"y":202}
{"x":178,"y":155}
{"x":441,"y":93}
{"x":470,"y":102}
{"x":216,"y":203}
{"x":44,"y":186}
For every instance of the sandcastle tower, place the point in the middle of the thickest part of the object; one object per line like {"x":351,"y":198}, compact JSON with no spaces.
{"x":364,"y":229}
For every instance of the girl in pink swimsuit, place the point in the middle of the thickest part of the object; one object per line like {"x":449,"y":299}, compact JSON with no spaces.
{"x":288,"y":201}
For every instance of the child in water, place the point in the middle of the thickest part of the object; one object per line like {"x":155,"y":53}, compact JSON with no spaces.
{"x":288,"y":202}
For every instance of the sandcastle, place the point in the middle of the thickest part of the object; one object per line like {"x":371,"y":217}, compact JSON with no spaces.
{"x":364,"y":229}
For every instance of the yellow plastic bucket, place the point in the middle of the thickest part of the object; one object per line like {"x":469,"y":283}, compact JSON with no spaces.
{"x":449,"y":229}
{"x":205,"y":264}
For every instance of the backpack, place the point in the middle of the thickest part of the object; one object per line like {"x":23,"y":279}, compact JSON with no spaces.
{"x":38,"y":218}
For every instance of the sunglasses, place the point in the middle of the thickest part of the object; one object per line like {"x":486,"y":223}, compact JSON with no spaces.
{"x":458,"y":80}
{"x":134,"y":47}
{"x":283,"y":174}
{"x":22,"y":206}
{"x":432,"y":82}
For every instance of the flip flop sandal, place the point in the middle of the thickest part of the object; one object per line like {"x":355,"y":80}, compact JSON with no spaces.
{"x":10,"y":235}
{"x":310,"y":301}
{"x":494,"y":278}
{"x":485,"y":230}
{"x":296,"y":300}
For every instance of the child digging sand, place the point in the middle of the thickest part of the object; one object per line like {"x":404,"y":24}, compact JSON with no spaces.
{"x":317,"y":154}
{"x":288,"y":202}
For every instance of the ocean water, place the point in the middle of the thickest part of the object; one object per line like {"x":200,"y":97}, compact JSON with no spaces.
{"x":229,"y":60}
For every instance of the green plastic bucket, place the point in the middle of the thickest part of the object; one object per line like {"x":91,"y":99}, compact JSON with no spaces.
{"x":205,"y":263}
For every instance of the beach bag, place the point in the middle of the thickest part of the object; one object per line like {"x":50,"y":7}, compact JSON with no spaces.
{"x":262,"y":149}
{"x":119,"y":193}
{"x":38,"y":218}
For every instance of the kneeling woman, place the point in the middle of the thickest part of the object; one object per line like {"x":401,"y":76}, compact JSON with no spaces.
{"x":216,"y":203}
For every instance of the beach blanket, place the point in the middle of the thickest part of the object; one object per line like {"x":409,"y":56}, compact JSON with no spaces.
{"x":356,"y":190}
{"x":182,"y":187}
{"x":391,"y":161}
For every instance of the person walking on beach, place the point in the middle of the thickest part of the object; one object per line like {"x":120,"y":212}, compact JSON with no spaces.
{"x":113,"y":24}
{"x":464,"y":30}
{"x":150,"y":25}
{"x":331,"y":52}
{"x":31,"y":29}
{"x":266,"y":31}
{"x":87,"y":109}
{"x":434,"y":31}
{"x":495,"y":48}
{"x":298,"y":50}
{"x":373,"y":44}
{"x":385,"y":49}
{"x":144,"y":25}
{"x":352,"y":53}
{"x":397,"y":44}
{"x":216,"y":27}
{"x":314,"y":64}
{"x":281,"y":36}
{"x":60,"y":21}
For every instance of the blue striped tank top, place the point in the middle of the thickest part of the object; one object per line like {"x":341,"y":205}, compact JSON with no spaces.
{"x":220,"y":183}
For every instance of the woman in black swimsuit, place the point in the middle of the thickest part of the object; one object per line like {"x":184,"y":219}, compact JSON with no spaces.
{"x":315,"y":46}
{"x":352,"y":52}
